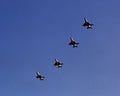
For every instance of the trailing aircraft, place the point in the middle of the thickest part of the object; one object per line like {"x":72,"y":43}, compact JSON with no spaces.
{"x":39,"y":76}
{"x":87,"y":24}
{"x":58,"y":64}
{"x":73,"y":43}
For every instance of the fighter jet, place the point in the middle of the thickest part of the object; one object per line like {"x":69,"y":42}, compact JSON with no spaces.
{"x":39,"y":76}
{"x":73,"y":43}
{"x":58,"y":64}
{"x":87,"y":24}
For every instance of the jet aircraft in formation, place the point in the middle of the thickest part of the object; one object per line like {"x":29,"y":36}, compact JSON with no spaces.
{"x":87,"y":24}
{"x":58,"y":64}
{"x":39,"y":76}
{"x":73,"y":43}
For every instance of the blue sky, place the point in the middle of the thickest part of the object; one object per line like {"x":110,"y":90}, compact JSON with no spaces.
{"x":35,"y":32}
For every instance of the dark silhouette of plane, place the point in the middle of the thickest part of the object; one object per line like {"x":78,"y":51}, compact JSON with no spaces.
{"x":73,"y":43}
{"x":87,"y":24}
{"x":39,"y":76}
{"x":58,"y":64}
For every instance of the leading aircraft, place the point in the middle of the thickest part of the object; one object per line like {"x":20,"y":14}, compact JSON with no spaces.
{"x":58,"y":64}
{"x":87,"y":24}
{"x":73,"y":43}
{"x":39,"y":76}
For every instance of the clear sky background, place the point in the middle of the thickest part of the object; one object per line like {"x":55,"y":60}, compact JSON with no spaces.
{"x":35,"y":32}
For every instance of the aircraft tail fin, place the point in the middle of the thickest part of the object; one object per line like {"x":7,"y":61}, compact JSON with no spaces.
{"x":56,"y":60}
{"x":71,"y":38}
{"x":85,"y":19}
